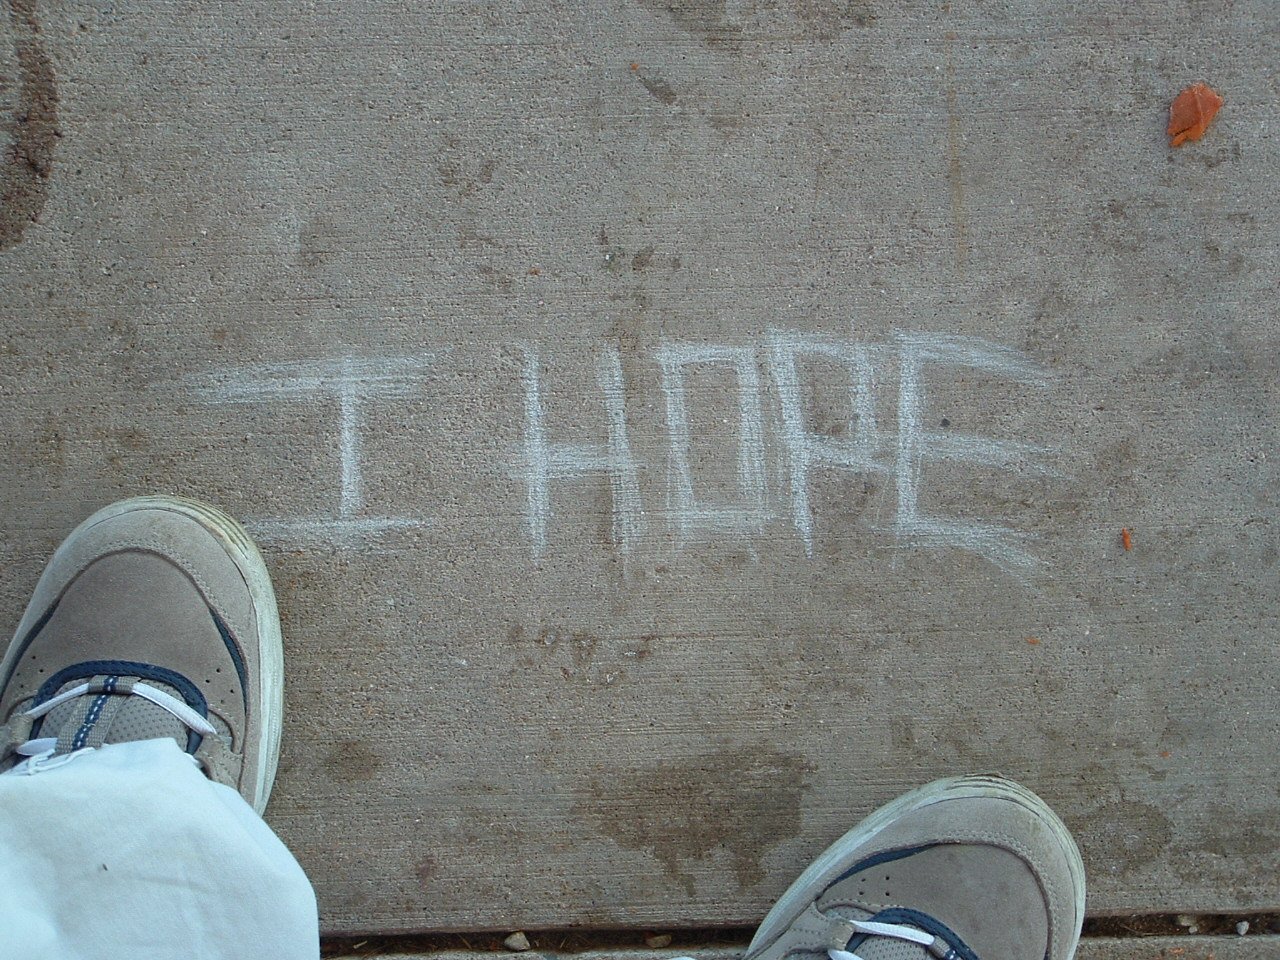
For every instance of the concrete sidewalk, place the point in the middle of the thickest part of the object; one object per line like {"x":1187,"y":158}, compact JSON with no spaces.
{"x":678,"y":427}
{"x":1091,"y":948}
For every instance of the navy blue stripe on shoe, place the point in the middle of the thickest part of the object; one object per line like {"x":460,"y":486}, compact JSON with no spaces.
{"x":95,"y":712}
{"x":914,"y":918}
{"x":26,"y":642}
{"x":886,"y":857}
{"x":237,"y":657}
{"x":90,"y":720}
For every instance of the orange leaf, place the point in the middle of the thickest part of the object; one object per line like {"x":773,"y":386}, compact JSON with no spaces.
{"x":1191,"y":113}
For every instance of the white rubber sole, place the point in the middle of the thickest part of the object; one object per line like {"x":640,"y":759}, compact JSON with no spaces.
{"x":846,"y":851}
{"x":244,"y":553}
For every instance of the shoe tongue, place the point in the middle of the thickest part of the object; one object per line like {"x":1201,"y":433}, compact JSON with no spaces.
{"x":97,"y":718}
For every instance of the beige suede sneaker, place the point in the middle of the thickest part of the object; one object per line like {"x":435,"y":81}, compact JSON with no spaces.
{"x":970,"y":868}
{"x":155,"y":618}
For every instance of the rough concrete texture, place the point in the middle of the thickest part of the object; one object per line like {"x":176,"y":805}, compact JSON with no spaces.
{"x":1091,"y":948}
{"x":678,"y":427}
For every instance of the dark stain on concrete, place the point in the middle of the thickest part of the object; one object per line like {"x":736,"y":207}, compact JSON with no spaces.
{"x":706,"y":19}
{"x":426,"y":871}
{"x":614,"y":260}
{"x":1221,"y":155}
{"x":579,"y":645}
{"x":1119,"y":457}
{"x":1123,"y":837}
{"x":726,"y":124}
{"x":28,"y":162}
{"x":129,"y":438}
{"x":52,"y":445}
{"x":351,"y":761}
{"x":465,"y":182}
{"x":659,"y":89}
{"x":902,"y":735}
{"x":496,"y":277}
{"x":719,"y":23}
{"x":583,"y":656}
{"x":642,"y":258}
{"x":743,"y":801}
{"x":469,"y":238}
{"x":827,"y":19}
{"x":1244,"y":839}
{"x":1211,"y":362}
{"x":1237,"y":852}
{"x":317,"y":243}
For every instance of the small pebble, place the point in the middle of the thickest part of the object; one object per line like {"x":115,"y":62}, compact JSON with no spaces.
{"x":658,"y":941}
{"x":1242,"y":928}
{"x":517,"y":941}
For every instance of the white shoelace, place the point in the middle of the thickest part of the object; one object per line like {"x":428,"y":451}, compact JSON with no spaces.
{"x":895,"y":930}
{"x":39,"y":751}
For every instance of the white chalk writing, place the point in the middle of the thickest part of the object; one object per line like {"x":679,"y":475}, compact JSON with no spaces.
{"x":806,"y":449}
{"x":864,"y":448}
{"x":916,"y":445}
{"x":544,"y":461}
{"x":690,"y":514}
{"x":352,"y":382}
{"x":696,"y":509}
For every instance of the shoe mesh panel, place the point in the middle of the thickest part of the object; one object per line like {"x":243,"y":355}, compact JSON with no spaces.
{"x":130,"y":718}
{"x":141,"y":719}
{"x":887,"y":948}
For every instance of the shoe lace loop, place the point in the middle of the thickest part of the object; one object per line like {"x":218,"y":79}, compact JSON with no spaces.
{"x":42,"y":748}
{"x":934,"y":945}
